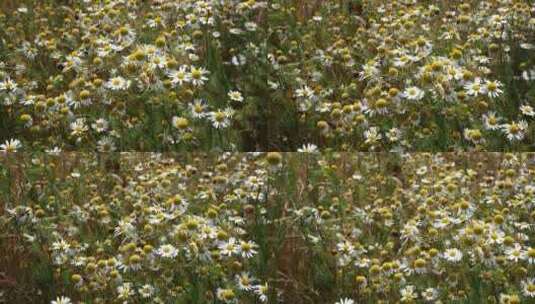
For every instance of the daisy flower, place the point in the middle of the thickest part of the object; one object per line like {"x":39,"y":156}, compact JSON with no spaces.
{"x":8,"y":85}
{"x":413,"y":93}
{"x":125,"y":291}
{"x":229,"y":247}
{"x":370,"y":71}
{"x":11,"y":145}
{"x":229,"y":112}
{"x":393,"y":135}
{"x":180,"y":123}
{"x":61,"y":300}
{"x":493,"y":88}
{"x":408,"y":294}
{"x":530,"y":255}
{"x":304,"y":92}
{"x":527,"y":110}
{"x":515,"y":253}
{"x":179,"y":76}
{"x":345,"y":247}
{"x":167,"y":251}
{"x":473,"y":135}
{"x":146,"y":291}
{"x":100,"y":125}
{"x":475,"y":88}
{"x":118,"y":83}
{"x":515,"y":130}
{"x":453,"y":255}
{"x":197,"y":108}
{"x":106,"y":144}
{"x":54,"y":151}
{"x":528,"y":288}
{"x":220,"y":119}
{"x":491,"y":121}
{"x":308,"y":148}
{"x":401,"y":61}
{"x":244,"y":281}
{"x":226,"y":295}
{"x":247,"y":249}
{"x":158,"y":62}
{"x":235,"y":95}
{"x":372,"y":135}
{"x":198,"y":76}
{"x":78,"y":127}
{"x":345,"y":301}
{"x":262,"y":291}
{"x":430,"y":294}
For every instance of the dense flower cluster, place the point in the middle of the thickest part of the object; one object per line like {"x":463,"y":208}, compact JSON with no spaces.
{"x":434,"y":228}
{"x":405,"y":75}
{"x":131,"y":75}
{"x":275,"y":228}
{"x":157,"y":230}
{"x":88,"y":86}
{"x":250,"y":75}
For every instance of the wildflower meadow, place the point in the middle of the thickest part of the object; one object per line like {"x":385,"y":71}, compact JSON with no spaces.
{"x":285,"y":75}
{"x":267,"y":228}
{"x":267,"y":151}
